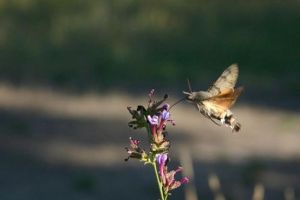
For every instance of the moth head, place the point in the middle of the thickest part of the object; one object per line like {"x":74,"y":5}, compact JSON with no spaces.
{"x":195,"y":96}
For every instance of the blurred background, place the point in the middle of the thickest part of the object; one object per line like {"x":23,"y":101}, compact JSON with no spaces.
{"x":69,"y":69}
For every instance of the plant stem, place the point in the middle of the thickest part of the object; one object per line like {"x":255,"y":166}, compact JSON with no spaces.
{"x":166,"y":196}
{"x":162,"y":196}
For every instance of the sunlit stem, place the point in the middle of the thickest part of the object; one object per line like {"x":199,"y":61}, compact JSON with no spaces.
{"x":153,"y":162}
{"x":162,"y":195}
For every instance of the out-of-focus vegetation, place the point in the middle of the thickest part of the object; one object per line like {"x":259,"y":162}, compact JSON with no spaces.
{"x":124,"y":43}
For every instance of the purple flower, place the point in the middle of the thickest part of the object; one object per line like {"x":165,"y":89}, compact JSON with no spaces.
{"x":165,"y":115}
{"x":168,"y":178}
{"x":166,"y":106}
{"x":184,"y":180}
{"x":162,"y":159}
{"x":169,"y":181}
{"x":154,"y":120}
{"x":158,"y":124}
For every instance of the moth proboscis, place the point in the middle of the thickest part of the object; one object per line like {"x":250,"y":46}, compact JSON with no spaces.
{"x":215,"y":103}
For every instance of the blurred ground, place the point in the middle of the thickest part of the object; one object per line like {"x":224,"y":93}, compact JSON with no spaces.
{"x":66,"y":146}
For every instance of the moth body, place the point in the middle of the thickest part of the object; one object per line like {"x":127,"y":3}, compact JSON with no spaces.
{"x":197,"y":96}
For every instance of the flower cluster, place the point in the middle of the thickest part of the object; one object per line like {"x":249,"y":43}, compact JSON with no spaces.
{"x":154,"y":119}
{"x":168,"y":177}
{"x":157,"y":125}
{"x":135,"y":151}
{"x":139,"y":115}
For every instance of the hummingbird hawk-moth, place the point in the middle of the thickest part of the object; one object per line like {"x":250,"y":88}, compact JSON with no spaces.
{"x":218,"y":99}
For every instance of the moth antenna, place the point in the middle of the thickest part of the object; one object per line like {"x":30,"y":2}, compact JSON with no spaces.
{"x":177,"y":102}
{"x":189,"y":84}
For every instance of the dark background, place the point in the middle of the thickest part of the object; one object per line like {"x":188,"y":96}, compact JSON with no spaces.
{"x":131,"y":45}
{"x":63,"y":61}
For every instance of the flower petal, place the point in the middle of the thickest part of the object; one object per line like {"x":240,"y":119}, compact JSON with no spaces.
{"x":153,"y":120}
{"x":166,"y":106}
{"x":161,"y":159}
{"x":184,"y":180}
{"x":165,"y":115}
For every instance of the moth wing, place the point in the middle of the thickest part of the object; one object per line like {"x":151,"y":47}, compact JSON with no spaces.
{"x":215,"y":106}
{"x":225,"y":100}
{"x":226,"y":81}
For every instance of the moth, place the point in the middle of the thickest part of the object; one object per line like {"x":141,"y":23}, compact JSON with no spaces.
{"x":219,"y":98}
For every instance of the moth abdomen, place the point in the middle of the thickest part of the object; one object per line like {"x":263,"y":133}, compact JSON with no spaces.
{"x":230,"y":121}
{"x":237,"y":127}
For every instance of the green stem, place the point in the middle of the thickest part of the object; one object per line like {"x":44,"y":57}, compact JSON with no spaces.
{"x":162,"y":196}
{"x":166,"y":196}
{"x":153,"y":162}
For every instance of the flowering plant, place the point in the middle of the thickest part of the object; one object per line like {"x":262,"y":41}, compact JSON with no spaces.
{"x":154,"y":119}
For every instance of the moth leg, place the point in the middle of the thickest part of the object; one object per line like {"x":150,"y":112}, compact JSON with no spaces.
{"x":222,"y":120}
{"x":224,"y":117}
{"x":199,"y":107}
{"x":208,"y":116}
